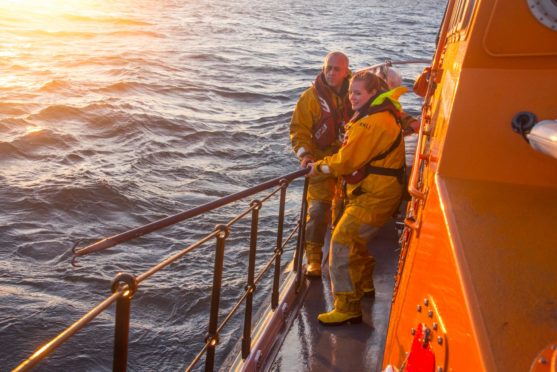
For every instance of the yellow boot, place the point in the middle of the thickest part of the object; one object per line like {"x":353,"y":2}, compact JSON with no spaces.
{"x":347,"y":310}
{"x":314,"y":257}
{"x":336,"y":317}
{"x":313,"y":270}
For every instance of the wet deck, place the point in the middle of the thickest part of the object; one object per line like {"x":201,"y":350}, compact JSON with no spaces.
{"x":310,"y":346}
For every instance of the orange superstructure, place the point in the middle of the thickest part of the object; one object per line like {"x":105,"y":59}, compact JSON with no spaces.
{"x":476,"y":286}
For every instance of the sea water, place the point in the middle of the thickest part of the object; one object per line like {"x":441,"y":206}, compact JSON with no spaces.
{"x":114,"y":114}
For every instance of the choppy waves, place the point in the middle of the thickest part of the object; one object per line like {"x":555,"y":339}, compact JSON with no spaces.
{"x":116,"y":114}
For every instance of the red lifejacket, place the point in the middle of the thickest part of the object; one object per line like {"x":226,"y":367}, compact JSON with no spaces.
{"x":330,"y":126}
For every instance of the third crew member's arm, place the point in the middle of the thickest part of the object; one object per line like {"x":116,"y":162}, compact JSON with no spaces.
{"x":306,"y":113}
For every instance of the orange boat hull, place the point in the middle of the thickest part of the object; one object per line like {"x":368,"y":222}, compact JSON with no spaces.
{"x":478,"y":269}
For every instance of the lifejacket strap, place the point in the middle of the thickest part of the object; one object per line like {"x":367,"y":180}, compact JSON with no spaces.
{"x":391,"y":148}
{"x":392,"y":172}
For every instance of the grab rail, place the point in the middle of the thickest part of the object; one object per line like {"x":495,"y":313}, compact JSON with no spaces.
{"x":390,"y":63}
{"x":426,"y":118}
{"x":171,"y":220}
{"x":125,"y":285}
{"x":419,"y":157}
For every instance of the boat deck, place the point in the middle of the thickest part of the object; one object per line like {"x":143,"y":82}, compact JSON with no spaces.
{"x":309,"y":346}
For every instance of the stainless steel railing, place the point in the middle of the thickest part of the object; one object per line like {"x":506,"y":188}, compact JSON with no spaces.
{"x":125,"y":285}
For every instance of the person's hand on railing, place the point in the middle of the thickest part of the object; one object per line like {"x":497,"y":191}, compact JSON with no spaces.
{"x":412,"y":128}
{"x":313,"y":172}
{"x":305,"y":160}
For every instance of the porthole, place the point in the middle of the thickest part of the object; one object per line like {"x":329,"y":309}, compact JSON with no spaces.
{"x":545,"y":11}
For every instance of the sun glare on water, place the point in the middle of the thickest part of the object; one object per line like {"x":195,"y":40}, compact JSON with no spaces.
{"x":23,"y":9}
{"x":38,"y":11}
{"x":40,"y":4}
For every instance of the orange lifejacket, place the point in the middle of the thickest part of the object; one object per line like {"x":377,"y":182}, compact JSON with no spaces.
{"x":422,"y":82}
{"x":330,"y":126}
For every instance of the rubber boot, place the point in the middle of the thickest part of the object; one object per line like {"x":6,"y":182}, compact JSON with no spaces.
{"x":347,"y":310}
{"x":314,"y":257}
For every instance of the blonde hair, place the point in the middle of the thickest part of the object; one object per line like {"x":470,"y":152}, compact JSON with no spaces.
{"x":371,"y":81}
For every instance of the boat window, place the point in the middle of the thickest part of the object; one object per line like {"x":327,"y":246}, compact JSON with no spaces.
{"x":460,"y":19}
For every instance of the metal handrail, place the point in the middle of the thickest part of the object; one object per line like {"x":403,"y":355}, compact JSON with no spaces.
{"x":413,"y":188}
{"x":417,"y":171}
{"x":171,"y":220}
{"x":161,"y":265}
{"x":432,"y":83}
{"x":50,"y":346}
{"x":125,"y":285}
{"x":389,"y":63}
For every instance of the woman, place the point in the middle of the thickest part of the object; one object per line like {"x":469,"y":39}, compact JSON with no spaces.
{"x":371,"y":161}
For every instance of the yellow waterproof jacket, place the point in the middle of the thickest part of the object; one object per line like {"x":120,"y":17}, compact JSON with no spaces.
{"x":306,"y":115}
{"x":365,"y":139}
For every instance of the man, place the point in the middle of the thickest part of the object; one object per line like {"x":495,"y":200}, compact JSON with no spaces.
{"x":316,"y":131}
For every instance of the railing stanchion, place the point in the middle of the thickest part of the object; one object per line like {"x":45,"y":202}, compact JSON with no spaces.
{"x":213,"y":337}
{"x":250,"y":287}
{"x":122,"y":322}
{"x":278,"y":249}
{"x":124,"y":285}
{"x":299,"y":256}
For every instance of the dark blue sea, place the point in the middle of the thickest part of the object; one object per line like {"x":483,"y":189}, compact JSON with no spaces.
{"x":114,"y":114}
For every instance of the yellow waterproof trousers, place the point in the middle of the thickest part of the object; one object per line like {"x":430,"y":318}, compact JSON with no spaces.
{"x":320,"y":195}
{"x":349,"y":262}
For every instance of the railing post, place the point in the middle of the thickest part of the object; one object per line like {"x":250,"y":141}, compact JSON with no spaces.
{"x":212,"y":336}
{"x":299,"y":256}
{"x":278,"y":249}
{"x":122,"y":322}
{"x":250,"y":287}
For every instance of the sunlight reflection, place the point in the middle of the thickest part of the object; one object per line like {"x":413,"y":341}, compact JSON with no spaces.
{"x":31,"y":130}
{"x":6,"y":51}
{"x":8,"y":81}
{"x":39,"y":4}
{"x":25,"y":9}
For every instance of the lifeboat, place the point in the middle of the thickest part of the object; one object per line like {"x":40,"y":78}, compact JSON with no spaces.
{"x":476,"y":286}
{"x":473,"y":284}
